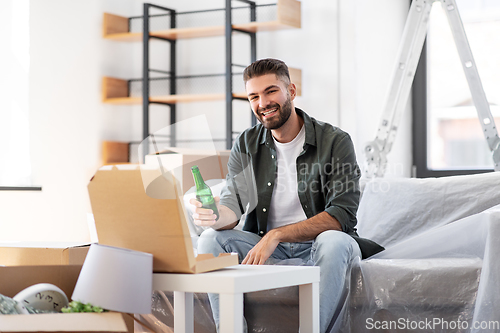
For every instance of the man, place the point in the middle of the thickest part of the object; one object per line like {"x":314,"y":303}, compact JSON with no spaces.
{"x":299,"y":181}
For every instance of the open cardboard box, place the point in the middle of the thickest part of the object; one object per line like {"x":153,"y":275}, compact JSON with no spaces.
{"x":140,"y":207}
{"x":42,"y":253}
{"x":13,"y":279}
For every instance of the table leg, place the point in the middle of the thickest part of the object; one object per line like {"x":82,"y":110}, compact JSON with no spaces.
{"x":231,"y":313}
{"x":309,"y":307}
{"x":183,"y":312}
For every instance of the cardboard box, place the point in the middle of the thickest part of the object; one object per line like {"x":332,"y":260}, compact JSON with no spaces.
{"x":140,"y":208}
{"x":212,"y":164}
{"x":14,"y":279}
{"x":66,"y":322}
{"x":42,"y":254}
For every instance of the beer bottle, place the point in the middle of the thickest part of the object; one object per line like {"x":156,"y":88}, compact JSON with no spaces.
{"x":203,"y":192}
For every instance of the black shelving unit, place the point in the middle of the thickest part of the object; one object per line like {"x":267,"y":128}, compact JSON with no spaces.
{"x":172,"y":74}
{"x":229,"y":64}
{"x":165,"y":86}
{"x":146,"y":70}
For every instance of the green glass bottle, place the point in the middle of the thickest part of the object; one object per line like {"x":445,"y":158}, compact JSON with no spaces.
{"x":203,"y":191}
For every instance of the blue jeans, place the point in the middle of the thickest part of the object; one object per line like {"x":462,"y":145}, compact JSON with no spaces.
{"x":333,"y":251}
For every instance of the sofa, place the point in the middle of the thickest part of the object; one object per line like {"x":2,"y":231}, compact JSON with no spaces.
{"x":437,"y":273}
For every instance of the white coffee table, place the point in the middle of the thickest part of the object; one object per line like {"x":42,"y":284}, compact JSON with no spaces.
{"x":231,"y":282}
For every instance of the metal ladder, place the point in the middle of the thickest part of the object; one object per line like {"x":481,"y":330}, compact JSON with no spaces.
{"x":409,"y":52}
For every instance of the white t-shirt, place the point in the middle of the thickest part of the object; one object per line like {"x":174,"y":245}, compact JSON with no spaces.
{"x":285,"y":207}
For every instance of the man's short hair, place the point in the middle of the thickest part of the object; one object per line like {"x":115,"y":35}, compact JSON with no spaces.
{"x":267,"y":66}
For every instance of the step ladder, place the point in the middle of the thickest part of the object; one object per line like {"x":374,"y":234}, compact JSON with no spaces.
{"x":409,"y":52}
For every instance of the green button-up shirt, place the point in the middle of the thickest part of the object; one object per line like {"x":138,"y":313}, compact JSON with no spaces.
{"x":327,"y":177}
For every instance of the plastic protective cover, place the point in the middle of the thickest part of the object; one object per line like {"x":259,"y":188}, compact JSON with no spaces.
{"x":439,"y":272}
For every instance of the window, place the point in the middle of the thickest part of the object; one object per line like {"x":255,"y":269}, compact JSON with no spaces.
{"x":448,"y":138}
{"x":15,"y":168}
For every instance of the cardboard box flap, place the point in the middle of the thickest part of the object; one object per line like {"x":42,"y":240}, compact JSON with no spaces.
{"x":42,"y":253}
{"x":68,"y":322}
{"x":10,"y":256}
{"x":38,"y":256}
{"x":127,"y":217}
{"x":207,"y":262}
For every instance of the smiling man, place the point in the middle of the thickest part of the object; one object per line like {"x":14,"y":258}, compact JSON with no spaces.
{"x":299,"y":181}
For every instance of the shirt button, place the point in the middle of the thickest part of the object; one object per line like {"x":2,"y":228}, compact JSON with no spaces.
{"x":305,"y":206}
{"x":269,"y":184}
{"x":272,"y":156}
{"x":264,"y":210}
{"x":261,"y":232}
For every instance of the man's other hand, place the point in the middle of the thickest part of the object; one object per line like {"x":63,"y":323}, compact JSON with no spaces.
{"x":262,"y":250}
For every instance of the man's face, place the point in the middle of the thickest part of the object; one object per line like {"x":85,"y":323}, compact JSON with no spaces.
{"x":270,"y":100}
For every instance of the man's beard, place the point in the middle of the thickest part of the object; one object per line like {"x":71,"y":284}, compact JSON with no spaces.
{"x":283,"y":111}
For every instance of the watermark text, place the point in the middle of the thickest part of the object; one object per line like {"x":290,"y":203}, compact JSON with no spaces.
{"x":430,"y":324}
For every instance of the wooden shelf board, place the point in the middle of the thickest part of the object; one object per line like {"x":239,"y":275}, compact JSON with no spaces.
{"x":123,"y":100}
{"x":185,"y":33}
{"x":240,"y":95}
{"x":170,"y":99}
{"x":186,"y":98}
{"x":125,"y":36}
{"x":263,"y":26}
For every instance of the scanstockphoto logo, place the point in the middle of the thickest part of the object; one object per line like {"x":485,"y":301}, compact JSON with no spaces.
{"x":427,"y":325}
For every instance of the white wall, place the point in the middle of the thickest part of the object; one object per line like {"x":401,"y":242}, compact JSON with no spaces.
{"x":68,"y":121}
{"x":370,"y":33}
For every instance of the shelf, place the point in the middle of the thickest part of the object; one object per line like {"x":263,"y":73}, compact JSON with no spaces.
{"x":288,"y":17}
{"x":115,"y":91}
{"x":169,"y":99}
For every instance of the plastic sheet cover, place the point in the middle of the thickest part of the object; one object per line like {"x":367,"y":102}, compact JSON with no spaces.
{"x":439,"y":272}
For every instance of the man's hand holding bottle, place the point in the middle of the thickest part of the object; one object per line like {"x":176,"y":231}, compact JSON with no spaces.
{"x":208,"y":212}
{"x":204,"y":217}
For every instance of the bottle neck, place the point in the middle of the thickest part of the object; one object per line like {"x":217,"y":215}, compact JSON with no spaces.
{"x":198,"y":179}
